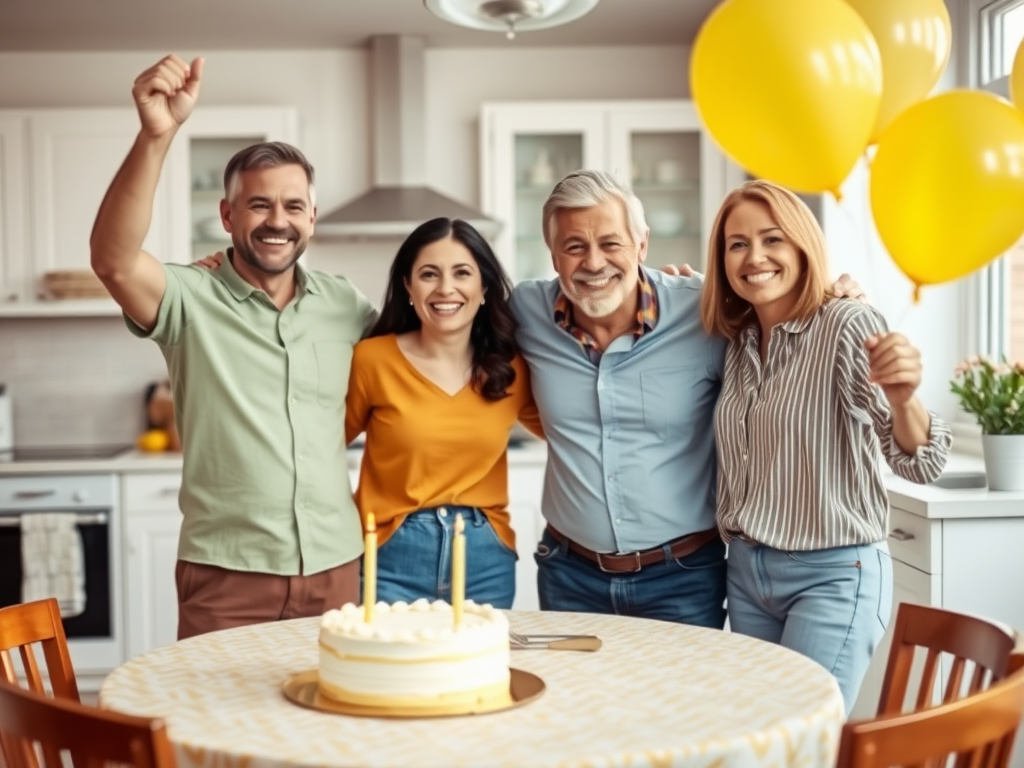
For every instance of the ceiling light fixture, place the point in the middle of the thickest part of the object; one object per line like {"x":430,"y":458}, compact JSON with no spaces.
{"x":510,"y":16}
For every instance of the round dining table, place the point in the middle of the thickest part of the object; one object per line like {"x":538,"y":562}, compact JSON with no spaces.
{"x":655,"y":694}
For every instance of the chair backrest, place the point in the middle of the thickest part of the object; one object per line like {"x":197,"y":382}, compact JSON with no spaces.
{"x":89,"y":735}
{"x":985,"y":645}
{"x":38,"y":622}
{"x":978,"y":728}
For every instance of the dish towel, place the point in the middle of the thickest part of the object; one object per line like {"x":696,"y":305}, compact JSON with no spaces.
{"x":52,"y":560}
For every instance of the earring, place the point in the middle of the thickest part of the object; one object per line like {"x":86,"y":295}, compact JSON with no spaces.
{"x":411,"y":303}
{"x":482,"y":302}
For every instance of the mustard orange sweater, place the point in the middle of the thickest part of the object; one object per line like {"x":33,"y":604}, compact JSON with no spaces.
{"x":426,"y":448}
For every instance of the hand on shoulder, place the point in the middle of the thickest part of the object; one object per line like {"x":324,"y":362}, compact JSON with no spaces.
{"x":212,"y":261}
{"x":683,"y":270}
{"x":848,"y":288}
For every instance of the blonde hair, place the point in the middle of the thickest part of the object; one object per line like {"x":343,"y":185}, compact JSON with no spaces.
{"x":722,"y":311}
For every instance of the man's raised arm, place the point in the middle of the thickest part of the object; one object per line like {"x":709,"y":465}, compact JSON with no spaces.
{"x":165,"y":95}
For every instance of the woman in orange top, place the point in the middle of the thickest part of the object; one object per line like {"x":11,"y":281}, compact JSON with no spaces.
{"x":437,"y":388}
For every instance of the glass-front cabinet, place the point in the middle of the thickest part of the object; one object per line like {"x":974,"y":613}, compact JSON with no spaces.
{"x":657,"y":147}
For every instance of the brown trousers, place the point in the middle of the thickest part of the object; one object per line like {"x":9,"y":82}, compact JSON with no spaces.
{"x":212,"y":598}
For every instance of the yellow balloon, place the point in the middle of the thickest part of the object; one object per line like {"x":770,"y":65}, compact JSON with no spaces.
{"x":914,"y":39}
{"x":788,"y":88}
{"x":1017,"y":77}
{"x":947,"y":185}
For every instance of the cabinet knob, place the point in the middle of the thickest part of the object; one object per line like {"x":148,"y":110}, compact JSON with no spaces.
{"x":900,"y":535}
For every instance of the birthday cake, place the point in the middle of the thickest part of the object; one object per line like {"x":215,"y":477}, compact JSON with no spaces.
{"x":413,"y":656}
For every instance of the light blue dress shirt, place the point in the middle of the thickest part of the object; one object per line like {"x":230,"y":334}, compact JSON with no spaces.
{"x":631,"y":444}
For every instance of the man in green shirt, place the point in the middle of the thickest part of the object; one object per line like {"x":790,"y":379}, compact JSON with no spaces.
{"x":258,"y":352}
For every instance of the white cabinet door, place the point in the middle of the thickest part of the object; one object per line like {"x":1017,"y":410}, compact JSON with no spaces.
{"x":525,"y":486}
{"x":152,"y":522}
{"x":13,"y":213}
{"x":152,"y":597}
{"x":74,"y":156}
{"x":56,"y":165}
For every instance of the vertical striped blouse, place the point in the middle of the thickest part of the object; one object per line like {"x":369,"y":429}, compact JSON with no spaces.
{"x":799,"y":437}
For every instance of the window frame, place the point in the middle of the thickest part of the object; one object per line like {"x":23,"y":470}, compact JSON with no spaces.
{"x":986,"y":330}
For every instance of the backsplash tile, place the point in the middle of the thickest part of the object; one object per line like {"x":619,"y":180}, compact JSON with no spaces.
{"x":76,"y":380}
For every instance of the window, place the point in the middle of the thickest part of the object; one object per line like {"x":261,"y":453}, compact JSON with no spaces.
{"x":998,"y":29}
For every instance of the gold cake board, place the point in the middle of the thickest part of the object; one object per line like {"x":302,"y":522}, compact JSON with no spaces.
{"x":301,"y":689}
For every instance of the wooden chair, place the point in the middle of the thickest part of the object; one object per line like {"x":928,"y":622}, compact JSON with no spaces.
{"x":978,"y":728}
{"x":985,"y":645}
{"x":37,"y":622}
{"x":93,"y":737}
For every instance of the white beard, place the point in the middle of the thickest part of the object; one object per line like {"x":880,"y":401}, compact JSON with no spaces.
{"x":596,"y":305}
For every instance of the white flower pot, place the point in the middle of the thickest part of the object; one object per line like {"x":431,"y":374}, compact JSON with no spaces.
{"x":1004,"y":462}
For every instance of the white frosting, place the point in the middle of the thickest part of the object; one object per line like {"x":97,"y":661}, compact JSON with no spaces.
{"x":413,"y":650}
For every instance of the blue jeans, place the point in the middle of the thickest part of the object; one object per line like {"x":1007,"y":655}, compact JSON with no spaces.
{"x":831,"y":605}
{"x":689,"y":591}
{"x":417,"y":560}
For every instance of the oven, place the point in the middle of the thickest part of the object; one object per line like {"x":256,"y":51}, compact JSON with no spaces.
{"x":94,"y":635}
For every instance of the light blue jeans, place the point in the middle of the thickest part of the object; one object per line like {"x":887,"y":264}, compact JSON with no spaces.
{"x":417,"y":560}
{"x":831,"y":605}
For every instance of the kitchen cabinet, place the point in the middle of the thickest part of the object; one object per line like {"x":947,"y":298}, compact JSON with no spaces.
{"x":61,"y":162}
{"x":13,"y":223}
{"x":955,"y":548}
{"x":151,"y":527}
{"x":658,"y":147}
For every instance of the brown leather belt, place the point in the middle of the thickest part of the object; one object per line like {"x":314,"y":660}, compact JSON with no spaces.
{"x":630,"y":562}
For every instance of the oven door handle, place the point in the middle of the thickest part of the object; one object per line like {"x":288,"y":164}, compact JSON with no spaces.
{"x":34,"y":494}
{"x":81,"y":518}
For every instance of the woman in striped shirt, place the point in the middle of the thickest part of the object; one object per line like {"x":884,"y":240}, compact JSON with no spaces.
{"x":815,"y":390}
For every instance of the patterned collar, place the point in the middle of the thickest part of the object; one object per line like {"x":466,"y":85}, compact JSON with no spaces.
{"x":646,"y":315}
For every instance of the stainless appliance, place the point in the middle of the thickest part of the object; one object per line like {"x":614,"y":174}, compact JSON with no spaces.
{"x":94,"y":636}
{"x":400,"y":199}
{"x":6,"y":420}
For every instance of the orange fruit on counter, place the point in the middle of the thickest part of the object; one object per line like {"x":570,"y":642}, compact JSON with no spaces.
{"x":153,"y":441}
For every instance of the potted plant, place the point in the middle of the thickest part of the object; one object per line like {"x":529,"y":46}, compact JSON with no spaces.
{"x":994,"y":394}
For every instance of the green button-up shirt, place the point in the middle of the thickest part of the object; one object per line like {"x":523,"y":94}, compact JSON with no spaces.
{"x":259,"y":399}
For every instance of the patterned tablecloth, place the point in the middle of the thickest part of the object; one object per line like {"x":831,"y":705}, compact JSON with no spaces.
{"x":656,"y":694}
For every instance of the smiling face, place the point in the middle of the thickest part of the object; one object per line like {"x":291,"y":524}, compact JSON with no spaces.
{"x":596,"y":259}
{"x":762,"y":264}
{"x":270,"y":218}
{"x":445,"y":287}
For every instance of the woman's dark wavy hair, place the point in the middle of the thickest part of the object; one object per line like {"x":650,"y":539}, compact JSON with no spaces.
{"x":493,"y":334}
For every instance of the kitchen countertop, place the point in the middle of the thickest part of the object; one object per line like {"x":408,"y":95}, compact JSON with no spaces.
{"x":935,"y":502}
{"x":133,"y":462}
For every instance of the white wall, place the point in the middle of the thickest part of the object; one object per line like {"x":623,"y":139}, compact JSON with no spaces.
{"x":329,"y":89}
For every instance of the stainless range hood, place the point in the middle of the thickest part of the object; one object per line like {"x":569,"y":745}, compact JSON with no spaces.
{"x":399,"y":200}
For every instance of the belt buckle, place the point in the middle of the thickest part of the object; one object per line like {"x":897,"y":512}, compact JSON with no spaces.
{"x":600,"y":562}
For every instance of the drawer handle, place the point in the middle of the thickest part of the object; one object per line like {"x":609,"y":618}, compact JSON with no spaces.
{"x":33,"y":494}
{"x":169,"y":492}
{"x":900,"y":535}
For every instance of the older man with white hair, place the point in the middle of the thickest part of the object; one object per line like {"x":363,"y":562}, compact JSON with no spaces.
{"x":626,"y":381}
